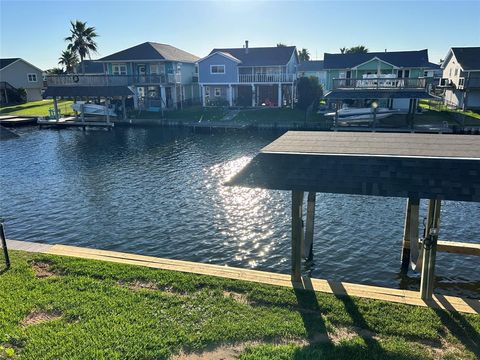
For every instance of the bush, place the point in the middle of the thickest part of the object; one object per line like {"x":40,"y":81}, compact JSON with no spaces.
{"x":309,"y":92}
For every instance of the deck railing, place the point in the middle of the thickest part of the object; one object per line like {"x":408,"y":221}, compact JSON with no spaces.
{"x":266,"y":78}
{"x":380,"y":83}
{"x":111,"y":80}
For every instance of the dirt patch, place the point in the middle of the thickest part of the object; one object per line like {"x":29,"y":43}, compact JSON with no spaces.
{"x":238,"y":297}
{"x":142,"y":284}
{"x":43,"y":269}
{"x":39,"y":316}
{"x":343,"y":333}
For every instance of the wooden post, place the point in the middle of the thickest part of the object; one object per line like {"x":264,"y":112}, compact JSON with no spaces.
{"x":297,"y":208}
{"x":410,"y":232}
{"x":124,"y":108}
{"x":107,"y":105}
{"x":430,"y":249}
{"x":55,"y":107}
{"x":308,"y":243}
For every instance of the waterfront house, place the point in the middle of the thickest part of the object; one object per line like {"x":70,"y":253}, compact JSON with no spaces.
{"x":461,"y":77}
{"x":16,"y":74}
{"x":258,"y":76}
{"x":160,"y":76}
{"x":313,"y":68}
{"x":396,"y":77}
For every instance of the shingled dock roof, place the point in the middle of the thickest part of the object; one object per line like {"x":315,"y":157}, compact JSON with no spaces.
{"x":261,"y":56}
{"x":418,"y":59}
{"x":423,"y":166}
{"x":151,"y":51}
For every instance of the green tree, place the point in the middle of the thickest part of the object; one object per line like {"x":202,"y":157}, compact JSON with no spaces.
{"x":69,"y":59}
{"x":82,"y":40}
{"x":343,"y":49}
{"x":54,"y":71}
{"x":281,"y":45}
{"x":309,"y":93}
{"x":359,"y":49}
{"x":304,"y":55}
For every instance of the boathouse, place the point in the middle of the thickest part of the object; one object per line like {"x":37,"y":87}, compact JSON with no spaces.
{"x":412,"y":166}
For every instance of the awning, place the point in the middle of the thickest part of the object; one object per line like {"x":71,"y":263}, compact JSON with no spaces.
{"x":342,"y":94}
{"x":423,"y":166}
{"x":92,"y":91}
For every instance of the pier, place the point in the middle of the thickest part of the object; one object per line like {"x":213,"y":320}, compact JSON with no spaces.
{"x":412,"y":166}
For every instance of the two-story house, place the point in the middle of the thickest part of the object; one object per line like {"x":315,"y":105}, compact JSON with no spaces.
{"x":392,"y":77}
{"x":461,"y":77}
{"x":16,"y":74}
{"x":262,"y":76}
{"x":158,"y":76}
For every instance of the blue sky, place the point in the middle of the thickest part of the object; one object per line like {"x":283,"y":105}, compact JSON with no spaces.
{"x":34,"y":30}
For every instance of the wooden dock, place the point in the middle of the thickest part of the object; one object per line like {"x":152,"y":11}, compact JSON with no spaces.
{"x":450,"y":303}
{"x":12,"y":120}
{"x":72,"y":121}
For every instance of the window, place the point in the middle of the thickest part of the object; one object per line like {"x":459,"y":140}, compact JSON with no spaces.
{"x":342,"y":75}
{"x":403,"y":74}
{"x":32,"y":77}
{"x":450,"y":73}
{"x":207,"y":91}
{"x":218,"y":92}
{"x":456,"y":71}
{"x":154,"y":70}
{"x":119,"y":69}
{"x":217,"y":69}
{"x":425,"y":73}
{"x":406,"y":73}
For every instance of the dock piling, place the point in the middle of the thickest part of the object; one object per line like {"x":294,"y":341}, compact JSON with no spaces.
{"x":308,"y":243}
{"x":297,"y":229}
{"x":430,"y":249}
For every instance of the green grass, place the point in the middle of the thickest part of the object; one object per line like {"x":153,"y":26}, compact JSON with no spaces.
{"x":98,"y":316}
{"x":37,"y":108}
{"x":468,"y":117}
{"x":279,"y":116}
{"x":188,"y":114}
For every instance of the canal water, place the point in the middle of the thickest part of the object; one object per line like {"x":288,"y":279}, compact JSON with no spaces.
{"x":159,"y":192}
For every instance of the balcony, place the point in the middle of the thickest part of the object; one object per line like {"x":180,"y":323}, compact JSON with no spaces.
{"x":381,"y":83}
{"x":266,"y":78}
{"x":111,"y":80}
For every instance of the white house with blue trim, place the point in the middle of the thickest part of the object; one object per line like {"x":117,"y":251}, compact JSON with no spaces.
{"x":249,"y":77}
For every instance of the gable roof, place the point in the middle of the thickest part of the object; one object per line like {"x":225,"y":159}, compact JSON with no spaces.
{"x":468,"y":57}
{"x":398,"y":58}
{"x":151,"y":51}
{"x":261,"y":56}
{"x":227,"y":55}
{"x":6,"y":62}
{"x":434,"y":66}
{"x":312,"y":65}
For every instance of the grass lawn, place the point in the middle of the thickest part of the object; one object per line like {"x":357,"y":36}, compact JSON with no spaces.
{"x":469,"y":117}
{"x":58,"y":308}
{"x":37,"y":108}
{"x":277,"y":116}
{"x":188,"y":114}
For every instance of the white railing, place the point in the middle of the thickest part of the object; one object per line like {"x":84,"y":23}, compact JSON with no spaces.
{"x":266,"y":78}
{"x":111,"y":80}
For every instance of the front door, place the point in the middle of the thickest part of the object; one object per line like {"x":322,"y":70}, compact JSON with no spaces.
{"x":141,"y":71}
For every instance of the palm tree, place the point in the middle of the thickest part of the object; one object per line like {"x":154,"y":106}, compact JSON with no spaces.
{"x":54,"y":71}
{"x":359,"y":49}
{"x":304,"y":55}
{"x":343,"y":50}
{"x":69,"y":59}
{"x":281,"y":45}
{"x":82,"y":40}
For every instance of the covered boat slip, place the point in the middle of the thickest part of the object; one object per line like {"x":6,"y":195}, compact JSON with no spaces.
{"x":412,"y":166}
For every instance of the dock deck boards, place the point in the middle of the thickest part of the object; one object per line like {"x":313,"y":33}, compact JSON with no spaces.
{"x":408,"y":297}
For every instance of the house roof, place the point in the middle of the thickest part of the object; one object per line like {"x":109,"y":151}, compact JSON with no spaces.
{"x":7,"y":61}
{"x":91,"y":67}
{"x":315,"y":65}
{"x":434,"y":66}
{"x":425,"y":166}
{"x":261,"y":56}
{"x":151,"y":51}
{"x":398,"y":58}
{"x":468,"y":57}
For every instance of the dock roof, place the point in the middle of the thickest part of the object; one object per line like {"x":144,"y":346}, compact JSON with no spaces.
{"x":427,"y":166}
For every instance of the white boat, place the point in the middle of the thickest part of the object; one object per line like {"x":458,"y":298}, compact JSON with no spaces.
{"x":92,"y":109}
{"x":362,"y":113}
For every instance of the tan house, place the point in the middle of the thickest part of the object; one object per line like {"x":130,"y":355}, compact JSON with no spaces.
{"x":16,"y":73}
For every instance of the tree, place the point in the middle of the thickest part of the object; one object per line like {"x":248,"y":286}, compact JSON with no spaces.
{"x":309,"y":93}
{"x":281,"y":45}
{"x":343,"y":49}
{"x":69,"y":59}
{"x":54,"y":71}
{"x":359,"y":49}
{"x":304,"y":55}
{"x":82,"y":40}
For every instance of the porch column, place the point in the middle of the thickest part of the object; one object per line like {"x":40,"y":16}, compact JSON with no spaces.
{"x":230,"y":95}
{"x":55,"y":107}
{"x":174,"y":96}
{"x":124,"y":108}
{"x":297,"y":230}
{"x":293,"y":95}
{"x":430,"y":249}
{"x":279,"y":104}
{"x":254,"y":94}
{"x":107,"y":106}
{"x":202,"y":89}
{"x":163,"y":97}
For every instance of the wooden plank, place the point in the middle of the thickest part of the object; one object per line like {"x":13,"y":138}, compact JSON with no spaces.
{"x":458,"y":247}
{"x":297,"y":229}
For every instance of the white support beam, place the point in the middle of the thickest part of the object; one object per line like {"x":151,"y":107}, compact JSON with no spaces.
{"x":279,"y":95}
